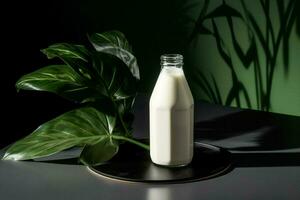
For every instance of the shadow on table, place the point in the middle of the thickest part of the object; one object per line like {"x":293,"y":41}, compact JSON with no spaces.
{"x":249,"y":134}
{"x":255,"y":139}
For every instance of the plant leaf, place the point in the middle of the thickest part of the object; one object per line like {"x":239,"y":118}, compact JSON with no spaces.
{"x":61,"y":80}
{"x":115,"y":77}
{"x":98,"y":153}
{"x":124,"y":108}
{"x":67,"y":51}
{"x":116,"y":44}
{"x":76,"y":56}
{"x":78,"y":127}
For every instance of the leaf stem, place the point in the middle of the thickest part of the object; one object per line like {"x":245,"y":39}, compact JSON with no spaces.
{"x":140,"y":144}
{"x":121,"y":118}
{"x":123,"y":124}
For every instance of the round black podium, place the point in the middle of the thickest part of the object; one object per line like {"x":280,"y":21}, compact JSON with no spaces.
{"x":133,"y":164}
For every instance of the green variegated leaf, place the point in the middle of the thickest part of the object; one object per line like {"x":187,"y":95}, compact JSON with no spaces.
{"x":62,"y":80}
{"x":114,"y":76}
{"x":105,"y":79}
{"x":66,"y":50}
{"x":115,"y":38}
{"x":104,"y":72}
{"x":76,"y":56}
{"x":83,"y":126}
{"x":116,"y":44}
{"x":98,"y":153}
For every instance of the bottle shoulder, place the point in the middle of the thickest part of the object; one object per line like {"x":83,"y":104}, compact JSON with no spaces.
{"x":171,"y":91}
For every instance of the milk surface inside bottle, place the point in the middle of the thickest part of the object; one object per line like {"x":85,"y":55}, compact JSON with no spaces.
{"x":171,"y":115}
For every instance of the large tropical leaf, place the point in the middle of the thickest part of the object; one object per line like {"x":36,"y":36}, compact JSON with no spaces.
{"x":116,"y":44}
{"x":98,"y":153}
{"x":103,"y":79}
{"x":115,"y":77}
{"x":67,"y":51}
{"x":83,"y":126}
{"x":106,"y":72}
{"x":76,"y":56}
{"x":111,"y":79}
{"x":62,"y":80}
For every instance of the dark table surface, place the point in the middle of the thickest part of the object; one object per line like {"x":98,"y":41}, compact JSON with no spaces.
{"x":265,"y":149}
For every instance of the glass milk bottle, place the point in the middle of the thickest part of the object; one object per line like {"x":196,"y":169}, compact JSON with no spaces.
{"x":171,"y":115}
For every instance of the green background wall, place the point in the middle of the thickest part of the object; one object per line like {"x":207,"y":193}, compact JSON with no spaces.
{"x":186,"y":27}
{"x":153,"y":27}
{"x":237,"y":53}
{"x":218,"y":70}
{"x":232,"y":78}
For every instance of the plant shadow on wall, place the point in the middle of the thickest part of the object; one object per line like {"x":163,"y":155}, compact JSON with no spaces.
{"x":267,"y":39}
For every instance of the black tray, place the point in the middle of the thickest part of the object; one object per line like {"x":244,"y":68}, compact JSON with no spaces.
{"x":134,"y":164}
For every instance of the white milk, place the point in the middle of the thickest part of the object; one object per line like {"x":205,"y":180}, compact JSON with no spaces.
{"x":171,"y":118}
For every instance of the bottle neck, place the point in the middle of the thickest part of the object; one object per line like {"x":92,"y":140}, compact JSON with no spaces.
{"x":171,"y":60}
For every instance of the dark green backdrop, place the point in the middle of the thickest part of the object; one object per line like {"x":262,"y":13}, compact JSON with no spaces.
{"x":217,"y":64}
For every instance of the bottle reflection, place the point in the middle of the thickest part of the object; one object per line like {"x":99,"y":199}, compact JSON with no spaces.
{"x":154,"y":172}
{"x":159,"y":193}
